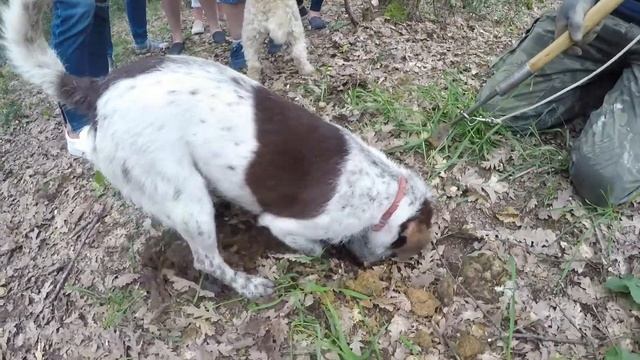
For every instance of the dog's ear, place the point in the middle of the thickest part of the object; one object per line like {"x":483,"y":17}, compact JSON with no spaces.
{"x":415,"y":233}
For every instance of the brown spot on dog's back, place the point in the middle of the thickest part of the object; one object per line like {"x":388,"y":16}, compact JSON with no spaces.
{"x":295,"y":169}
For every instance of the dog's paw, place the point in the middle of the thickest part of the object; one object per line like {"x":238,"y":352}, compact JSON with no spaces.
{"x":307,"y":69}
{"x":253,"y":74}
{"x":256,"y":287}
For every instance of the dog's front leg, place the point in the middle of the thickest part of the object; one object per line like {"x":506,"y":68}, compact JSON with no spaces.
{"x":190,"y":212}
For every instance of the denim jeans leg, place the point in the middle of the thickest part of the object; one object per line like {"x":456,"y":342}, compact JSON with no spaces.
{"x":70,"y":28}
{"x":316,"y":5}
{"x":137,"y":16}
{"x":99,"y":38}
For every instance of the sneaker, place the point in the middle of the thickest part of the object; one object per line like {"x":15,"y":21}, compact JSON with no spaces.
{"x":218,"y":37}
{"x":176,"y":48}
{"x":317,"y":23}
{"x":236,"y":58}
{"x":78,"y":147}
{"x":149,"y":46}
{"x":197,"y":28}
{"x":112,"y":63}
{"x":273,"y":48}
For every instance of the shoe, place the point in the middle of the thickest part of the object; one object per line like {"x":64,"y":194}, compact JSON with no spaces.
{"x":317,"y":23}
{"x":78,"y":147}
{"x":112,"y":63}
{"x":218,"y":37}
{"x":176,"y":48}
{"x":303,"y":11}
{"x":236,"y":58}
{"x":197,"y":28}
{"x":273,"y":48}
{"x":149,"y":46}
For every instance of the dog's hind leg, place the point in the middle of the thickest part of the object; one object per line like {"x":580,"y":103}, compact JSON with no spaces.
{"x":253,"y":36}
{"x":299,"y":48}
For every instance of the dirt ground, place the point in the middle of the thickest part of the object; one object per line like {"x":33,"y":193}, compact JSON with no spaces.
{"x":517,"y":268}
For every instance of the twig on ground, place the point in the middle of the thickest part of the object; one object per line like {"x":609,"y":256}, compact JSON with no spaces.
{"x":601,"y":242}
{"x":352,"y":18}
{"x":447,"y":343}
{"x":606,"y":330}
{"x":573,"y":323}
{"x":554,"y":339}
{"x":90,"y":226}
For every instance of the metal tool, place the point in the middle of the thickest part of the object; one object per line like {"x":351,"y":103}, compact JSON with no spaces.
{"x":592,"y":18}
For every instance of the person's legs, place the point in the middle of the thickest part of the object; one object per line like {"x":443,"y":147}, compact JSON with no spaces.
{"x":172,"y":12}
{"x":560,"y":73}
{"x":137,"y":16}
{"x":302,"y":9}
{"x":71,"y":25}
{"x":198,"y":18}
{"x":234,"y":12}
{"x":211,"y":12}
{"x":315,"y":18}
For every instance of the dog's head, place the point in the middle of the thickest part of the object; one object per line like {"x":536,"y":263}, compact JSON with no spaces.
{"x":402,"y":237}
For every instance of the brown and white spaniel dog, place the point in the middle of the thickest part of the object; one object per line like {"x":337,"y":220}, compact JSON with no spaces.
{"x":172,"y":132}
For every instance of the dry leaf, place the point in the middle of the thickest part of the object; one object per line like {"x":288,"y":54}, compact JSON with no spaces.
{"x":508,"y":215}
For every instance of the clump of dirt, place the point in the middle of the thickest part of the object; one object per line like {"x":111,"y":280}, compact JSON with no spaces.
{"x":423,"y":303}
{"x":481,"y":274}
{"x":469,"y":346}
{"x":456,"y":247}
{"x":423,"y":339}
{"x":446,"y":289}
{"x":368,"y":282}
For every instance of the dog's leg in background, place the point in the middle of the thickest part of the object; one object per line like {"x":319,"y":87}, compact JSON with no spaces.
{"x":253,"y":35}
{"x":299,"y":45}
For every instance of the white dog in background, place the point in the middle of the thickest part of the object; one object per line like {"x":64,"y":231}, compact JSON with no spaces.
{"x":279,"y":19}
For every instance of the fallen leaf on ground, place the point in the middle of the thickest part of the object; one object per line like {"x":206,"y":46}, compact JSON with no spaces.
{"x":508,"y":215}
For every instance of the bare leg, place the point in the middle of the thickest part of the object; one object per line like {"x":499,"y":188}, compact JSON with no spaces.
{"x":235,"y":17}
{"x":211,"y":12}
{"x":172,"y":12}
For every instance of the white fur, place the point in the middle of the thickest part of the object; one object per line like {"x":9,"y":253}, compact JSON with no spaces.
{"x":34,"y":61}
{"x":170,"y":138}
{"x":279,"y":19}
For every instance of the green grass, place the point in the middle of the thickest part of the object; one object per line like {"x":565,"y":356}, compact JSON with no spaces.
{"x":11,"y":110}
{"x":320,"y":322}
{"x":396,"y":12}
{"x":117,"y":302}
{"x":512,"y":308}
{"x":416,"y":112}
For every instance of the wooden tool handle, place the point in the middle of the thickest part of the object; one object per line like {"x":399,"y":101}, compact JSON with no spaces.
{"x":593,"y":17}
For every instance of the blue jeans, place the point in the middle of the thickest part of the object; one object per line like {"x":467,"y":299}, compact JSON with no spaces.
{"x":137,"y":16}
{"x":80,"y":34}
{"x":316,"y":5}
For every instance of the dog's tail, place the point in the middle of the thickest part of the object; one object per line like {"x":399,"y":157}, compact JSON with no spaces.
{"x":31,"y":57}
